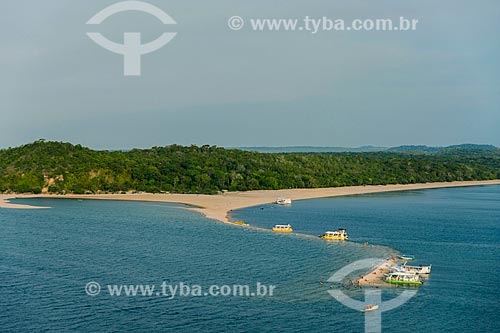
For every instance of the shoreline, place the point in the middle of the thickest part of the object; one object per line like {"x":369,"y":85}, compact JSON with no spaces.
{"x":219,"y":206}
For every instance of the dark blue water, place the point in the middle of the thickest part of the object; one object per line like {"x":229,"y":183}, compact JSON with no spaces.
{"x":47,"y":257}
{"x":456,"y":230}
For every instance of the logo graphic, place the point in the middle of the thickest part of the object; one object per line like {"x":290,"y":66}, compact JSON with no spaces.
{"x":131,"y":49}
{"x":373,"y":319}
{"x":92,"y":288}
{"x":235,"y":23}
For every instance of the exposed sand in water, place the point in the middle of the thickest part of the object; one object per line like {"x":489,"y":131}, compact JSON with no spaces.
{"x":376,"y":277}
{"x":219,"y":206}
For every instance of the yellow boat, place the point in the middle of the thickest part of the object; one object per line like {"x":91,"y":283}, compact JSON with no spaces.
{"x":242,"y":223}
{"x":282,"y":228}
{"x":335,"y":235}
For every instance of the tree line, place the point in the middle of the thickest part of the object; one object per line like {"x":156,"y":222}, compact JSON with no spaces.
{"x":58,"y":167}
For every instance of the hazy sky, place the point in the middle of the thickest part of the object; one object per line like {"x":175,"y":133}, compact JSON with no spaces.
{"x":438,"y":85}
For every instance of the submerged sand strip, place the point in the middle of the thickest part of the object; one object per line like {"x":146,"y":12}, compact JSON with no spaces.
{"x":219,"y":206}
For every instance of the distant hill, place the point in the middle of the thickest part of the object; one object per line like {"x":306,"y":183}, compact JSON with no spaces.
{"x":449,"y":150}
{"x":312,"y":149}
{"x":472,"y":146}
{"x":366,"y":149}
{"x":421,"y":148}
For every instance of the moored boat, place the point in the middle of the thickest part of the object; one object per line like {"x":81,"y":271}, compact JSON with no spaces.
{"x":406,"y":257}
{"x":416,"y":269}
{"x":341,"y":234}
{"x":403,"y":278}
{"x":282,"y":228}
{"x":284,"y":201}
{"x":370,"y":307}
{"x":241,"y":223}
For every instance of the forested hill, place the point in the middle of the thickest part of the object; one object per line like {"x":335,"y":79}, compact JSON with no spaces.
{"x":57,"y":167}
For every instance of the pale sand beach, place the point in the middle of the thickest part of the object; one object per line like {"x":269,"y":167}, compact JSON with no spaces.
{"x":375,"y":278}
{"x":219,"y":206}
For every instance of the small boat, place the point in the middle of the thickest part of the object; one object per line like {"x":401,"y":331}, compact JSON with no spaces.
{"x":416,"y":269}
{"x":403,"y":278}
{"x":406,"y":257}
{"x":370,"y":307}
{"x":242,"y":223}
{"x":341,"y":234}
{"x":284,"y":201}
{"x":282,"y":228}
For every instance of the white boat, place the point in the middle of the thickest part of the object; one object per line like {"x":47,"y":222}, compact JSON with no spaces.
{"x":284,"y":201}
{"x":406,"y":257}
{"x":370,"y":307}
{"x":282,"y":228}
{"x":416,"y":269}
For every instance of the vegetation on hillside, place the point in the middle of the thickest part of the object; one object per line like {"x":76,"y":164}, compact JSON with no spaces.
{"x":58,"y":167}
